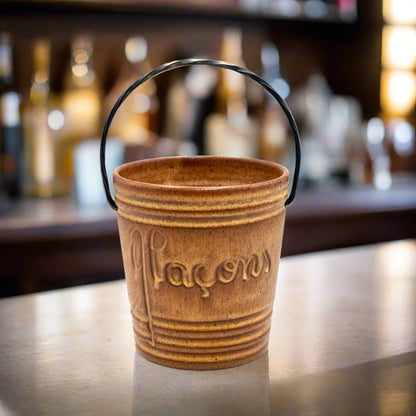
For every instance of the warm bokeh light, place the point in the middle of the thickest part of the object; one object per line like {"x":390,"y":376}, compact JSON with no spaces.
{"x":136,"y":49}
{"x":56,"y":120}
{"x":398,"y":92}
{"x":80,"y":70}
{"x":81,"y":57}
{"x":402,"y":135}
{"x":399,"y":11}
{"x":399,"y":47}
{"x":375,"y":131}
{"x":82,"y":111}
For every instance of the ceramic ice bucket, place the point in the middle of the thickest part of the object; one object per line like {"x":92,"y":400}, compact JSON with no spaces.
{"x":201,"y":239}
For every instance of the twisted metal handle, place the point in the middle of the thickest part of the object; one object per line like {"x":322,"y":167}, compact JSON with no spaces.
{"x":196,"y":61}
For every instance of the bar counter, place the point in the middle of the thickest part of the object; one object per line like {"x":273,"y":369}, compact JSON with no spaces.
{"x":343,"y":342}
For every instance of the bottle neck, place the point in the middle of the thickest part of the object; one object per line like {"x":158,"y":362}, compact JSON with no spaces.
{"x":6,"y":67}
{"x":232,"y":89}
{"x":82,"y":74}
{"x":39,"y":90}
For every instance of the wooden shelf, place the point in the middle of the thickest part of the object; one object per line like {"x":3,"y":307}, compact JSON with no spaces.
{"x":230,"y":9}
{"x":343,"y":217}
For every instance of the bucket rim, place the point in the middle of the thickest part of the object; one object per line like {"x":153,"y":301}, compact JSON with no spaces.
{"x":282,"y":179}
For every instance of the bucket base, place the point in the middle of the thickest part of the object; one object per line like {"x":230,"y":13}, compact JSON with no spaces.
{"x":201,"y":365}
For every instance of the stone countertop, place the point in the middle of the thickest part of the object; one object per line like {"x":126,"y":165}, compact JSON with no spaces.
{"x":343,"y":341}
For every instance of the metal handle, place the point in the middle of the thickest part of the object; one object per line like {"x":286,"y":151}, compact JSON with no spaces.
{"x":195,"y":61}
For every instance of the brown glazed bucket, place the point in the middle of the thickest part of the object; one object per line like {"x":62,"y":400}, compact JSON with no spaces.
{"x":201,"y":239}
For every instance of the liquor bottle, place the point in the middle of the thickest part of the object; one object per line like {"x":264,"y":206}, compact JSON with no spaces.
{"x":273,"y":132}
{"x":11,"y":144}
{"x":81,"y":104}
{"x":11,"y":136}
{"x":177,"y":108}
{"x":6,"y":63}
{"x":136,"y":121}
{"x":232,"y":88}
{"x":190,"y":99}
{"x":231,"y":131}
{"x":40,"y":144}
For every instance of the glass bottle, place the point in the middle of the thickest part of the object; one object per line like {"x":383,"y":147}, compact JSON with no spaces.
{"x":11,"y":135}
{"x":41,"y":160}
{"x":230,"y":131}
{"x":81,"y":104}
{"x":273,"y":132}
{"x":136,"y":121}
{"x":232,"y":88}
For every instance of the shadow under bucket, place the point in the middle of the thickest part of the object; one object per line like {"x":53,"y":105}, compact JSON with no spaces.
{"x":201,"y":239}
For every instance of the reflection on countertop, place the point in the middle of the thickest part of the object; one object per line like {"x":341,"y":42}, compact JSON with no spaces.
{"x":160,"y":391}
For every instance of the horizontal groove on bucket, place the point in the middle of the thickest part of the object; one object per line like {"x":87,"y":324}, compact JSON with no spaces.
{"x":192,"y":204}
{"x":197,"y":220}
{"x":203,"y":342}
{"x":223,"y":338}
{"x":192,"y":357}
{"x":196,"y":326}
{"x":212,"y":343}
{"x":197,"y":335}
{"x":200,"y":208}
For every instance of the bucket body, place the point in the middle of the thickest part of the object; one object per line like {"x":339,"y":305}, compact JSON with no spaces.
{"x":201,"y":240}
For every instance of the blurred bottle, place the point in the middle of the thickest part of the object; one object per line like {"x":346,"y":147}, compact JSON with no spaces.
{"x":136,"y":121}
{"x":231,"y":131}
{"x":6,"y":63}
{"x":273,"y":133}
{"x":401,"y":147}
{"x":375,"y":136}
{"x":11,"y":135}
{"x":81,"y":103}
{"x":288,"y":8}
{"x":344,"y":142}
{"x":88,"y":187}
{"x":200,"y":84}
{"x":177,"y":117}
{"x":401,"y":134}
{"x":39,"y":140}
{"x":310,"y":105}
{"x":232,"y":88}
{"x":190,"y":99}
